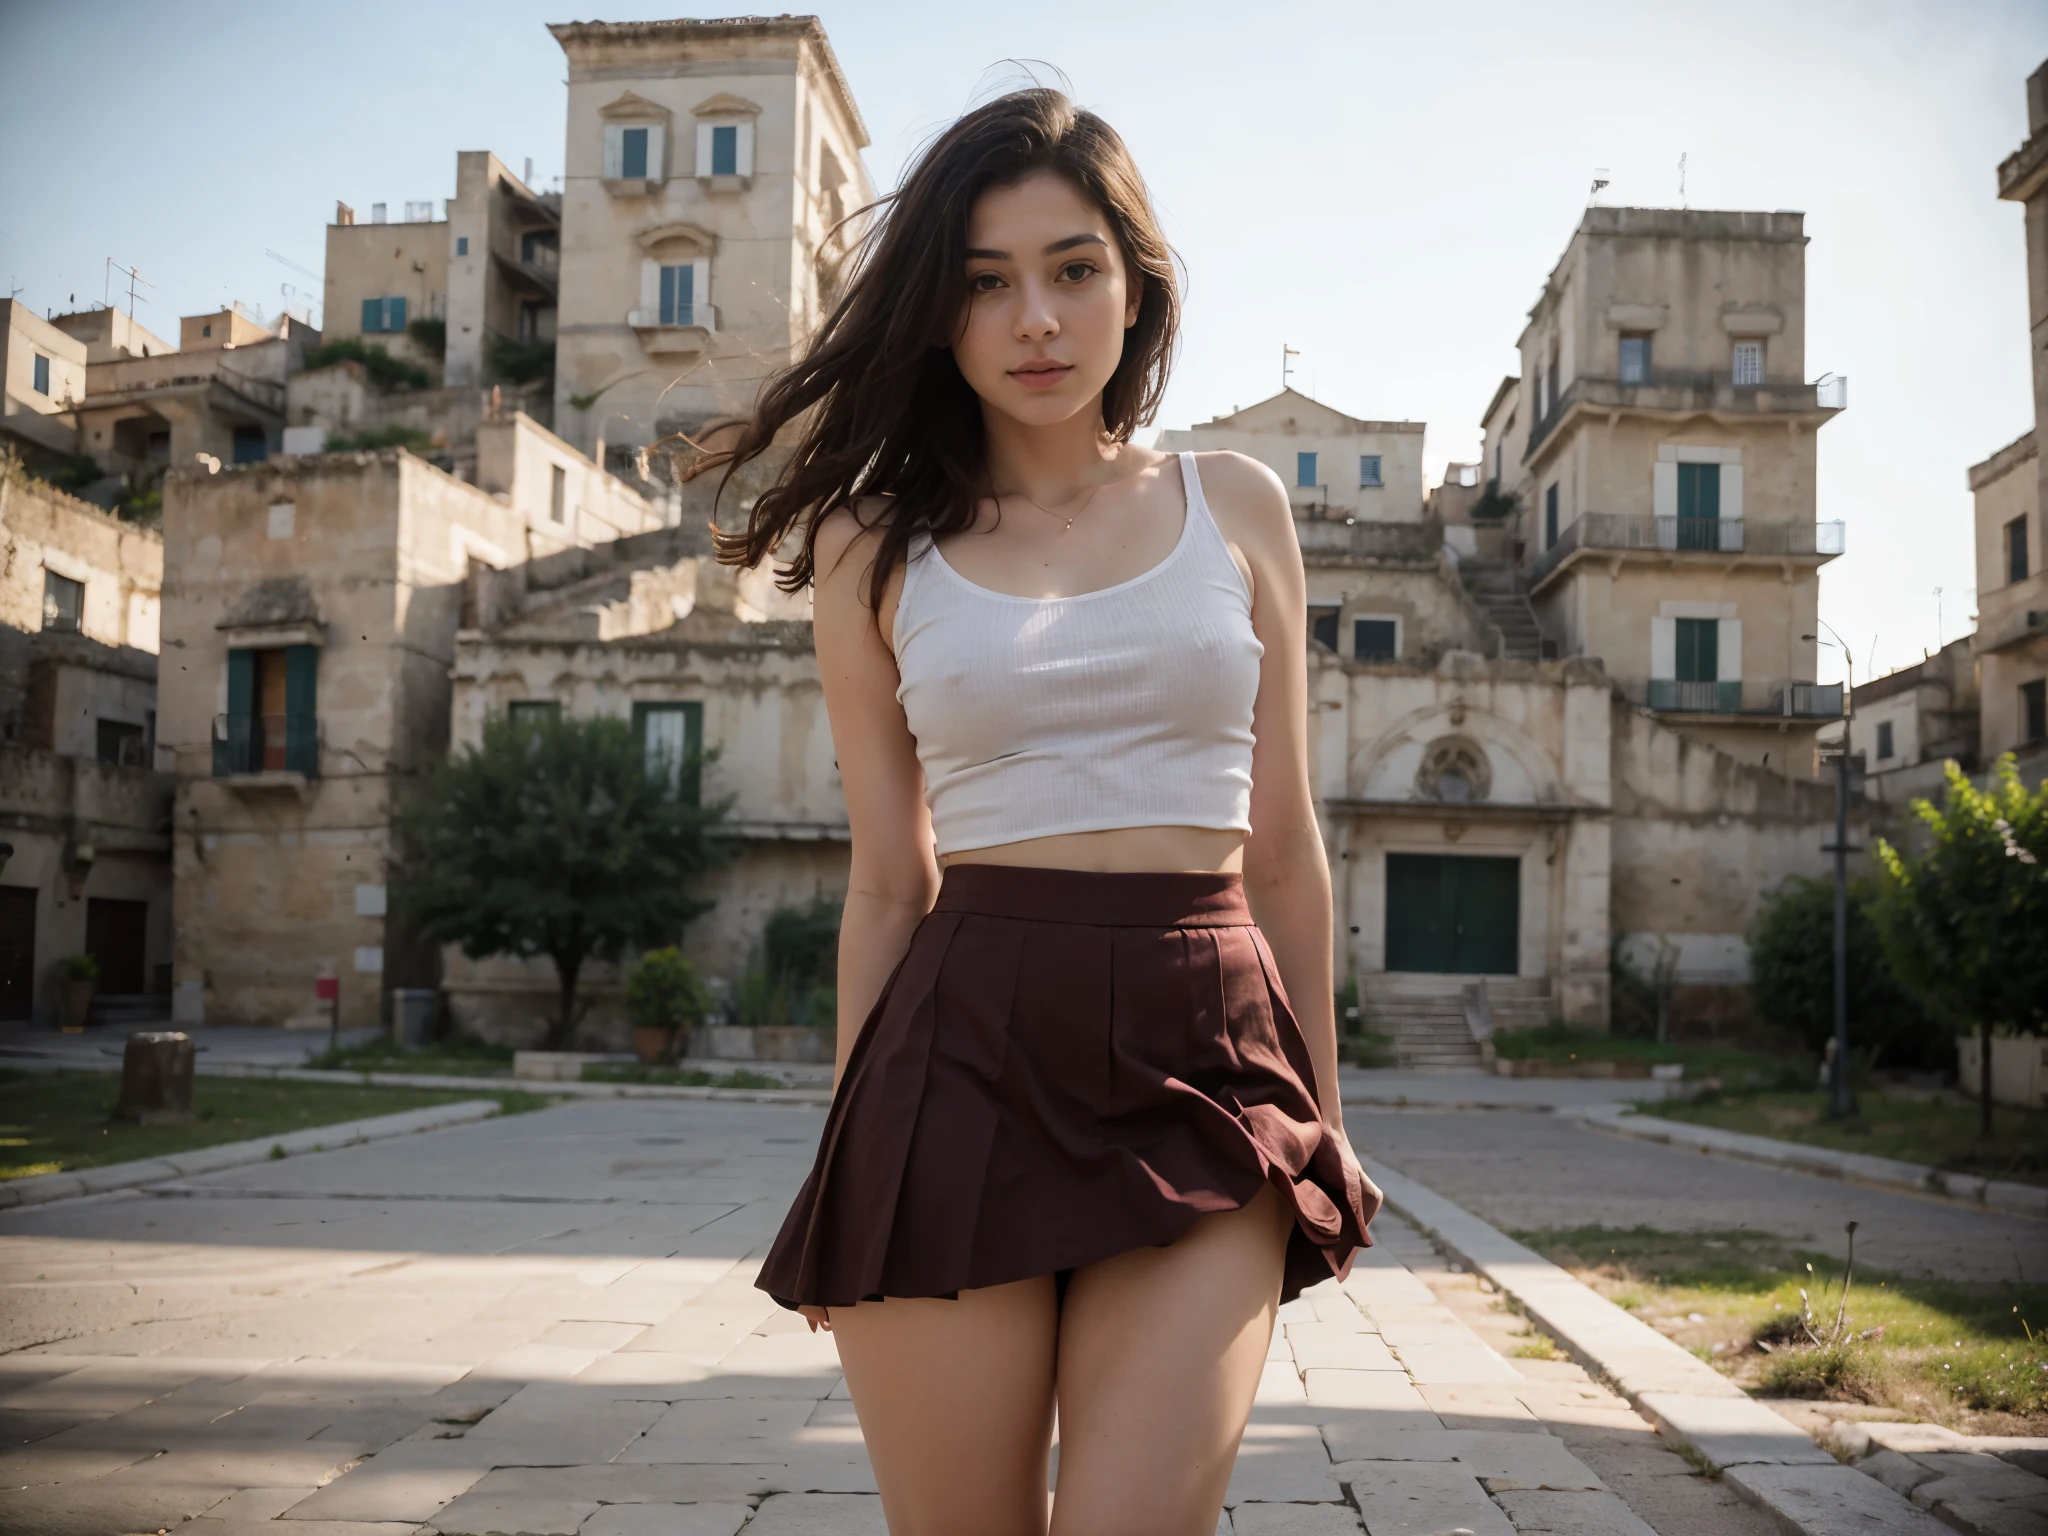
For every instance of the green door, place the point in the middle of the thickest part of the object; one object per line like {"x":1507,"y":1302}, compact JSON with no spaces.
{"x":1453,"y":915}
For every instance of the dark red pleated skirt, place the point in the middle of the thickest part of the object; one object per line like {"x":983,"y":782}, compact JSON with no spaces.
{"x":1065,"y":1066}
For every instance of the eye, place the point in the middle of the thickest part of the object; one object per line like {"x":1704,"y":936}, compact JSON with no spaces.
{"x":984,"y":282}
{"x":1077,"y":271}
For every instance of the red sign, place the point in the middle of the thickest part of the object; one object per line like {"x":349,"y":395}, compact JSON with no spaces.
{"x":327,"y":988}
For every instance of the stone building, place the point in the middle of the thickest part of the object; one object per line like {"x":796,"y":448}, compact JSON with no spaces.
{"x":84,"y":818}
{"x":2012,"y":606}
{"x":42,"y":380}
{"x":1662,"y":461}
{"x":1906,"y":725}
{"x":709,"y":165}
{"x":312,"y":607}
{"x":1335,"y":467}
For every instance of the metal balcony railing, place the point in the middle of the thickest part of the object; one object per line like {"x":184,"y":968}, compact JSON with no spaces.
{"x":1670,"y":390}
{"x":703,"y":315}
{"x":1682,"y":535}
{"x":257,"y":743}
{"x":1757,"y":699}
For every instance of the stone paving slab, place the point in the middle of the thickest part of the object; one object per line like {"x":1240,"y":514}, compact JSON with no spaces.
{"x":1832,"y":1501}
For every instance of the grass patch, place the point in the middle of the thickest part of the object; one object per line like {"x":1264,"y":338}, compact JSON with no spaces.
{"x":58,"y":1122}
{"x":1966,"y":1354}
{"x":1733,"y":1065}
{"x":1366,"y":1049}
{"x":385,"y":371}
{"x":1539,"y":1346}
{"x":1915,"y":1126}
{"x":452,"y":1057}
{"x":676,"y":1077}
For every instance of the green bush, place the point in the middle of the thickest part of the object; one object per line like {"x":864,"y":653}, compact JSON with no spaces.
{"x":521,"y":362}
{"x":429,"y":335}
{"x":145,"y":508}
{"x":76,"y":472}
{"x":382,"y":437}
{"x":81,"y":967}
{"x":663,"y":992}
{"x":386,"y":372}
{"x":1792,"y":978}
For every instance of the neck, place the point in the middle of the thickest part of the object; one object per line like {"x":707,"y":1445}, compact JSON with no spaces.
{"x":1049,"y":464}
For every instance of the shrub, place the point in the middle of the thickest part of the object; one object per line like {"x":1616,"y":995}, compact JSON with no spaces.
{"x":76,"y":472}
{"x":429,"y":335}
{"x":1792,"y":978}
{"x":521,"y":362}
{"x":382,"y":437}
{"x":143,"y":508}
{"x":81,"y":967}
{"x":663,"y":992}
{"x":386,"y":372}
{"x":1838,"y":1371}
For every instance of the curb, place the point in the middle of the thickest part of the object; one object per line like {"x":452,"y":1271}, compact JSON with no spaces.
{"x":46,"y":1187}
{"x":1770,"y":1460}
{"x":540,"y":1087}
{"x":1851,"y":1167}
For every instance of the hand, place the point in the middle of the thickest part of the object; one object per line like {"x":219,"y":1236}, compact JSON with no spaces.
{"x":817,"y":1317}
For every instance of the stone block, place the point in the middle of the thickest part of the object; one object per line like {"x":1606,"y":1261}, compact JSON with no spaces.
{"x":552,"y":1425}
{"x":1334,"y":1307}
{"x":1526,"y":1463}
{"x":1293,"y":1520}
{"x":1375,"y":1390}
{"x":1364,"y":1438}
{"x":1915,"y":1439}
{"x":1731,"y":1432}
{"x":1901,"y":1474}
{"x":1974,"y":1475}
{"x":1476,"y":1405}
{"x":734,"y":1430}
{"x":489,"y":1514}
{"x":1453,"y":1363}
{"x":1278,"y":1463}
{"x":585,"y":1335}
{"x":259,"y":1504}
{"x":824,"y":1473}
{"x":1986,"y":1517}
{"x":1332,"y":1346}
{"x":97,"y":1508}
{"x":1580,"y":1513}
{"x":412,"y":1480}
{"x":667,"y":1520}
{"x":1833,"y":1500}
{"x":1279,"y":1385}
{"x":616,"y":1483}
{"x":815,"y":1514}
{"x":1423,"y":1498}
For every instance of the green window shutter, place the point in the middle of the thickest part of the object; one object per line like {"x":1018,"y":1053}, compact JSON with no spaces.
{"x":233,"y":750}
{"x":394,"y":314}
{"x":302,"y":709}
{"x":671,"y":740}
{"x":1699,"y":650}
{"x":373,"y":315}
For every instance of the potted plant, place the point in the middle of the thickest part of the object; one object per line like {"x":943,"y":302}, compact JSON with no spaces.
{"x":81,"y":975}
{"x":664,"y":1002}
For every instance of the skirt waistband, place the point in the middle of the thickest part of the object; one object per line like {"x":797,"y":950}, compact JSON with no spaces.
{"x":1179,"y":899}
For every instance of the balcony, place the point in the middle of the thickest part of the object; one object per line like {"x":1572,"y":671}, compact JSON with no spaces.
{"x":1754,"y":700}
{"x":1691,"y":394}
{"x":692,"y":328}
{"x":266,"y":749}
{"x":1688,"y":538}
{"x":1344,"y":540}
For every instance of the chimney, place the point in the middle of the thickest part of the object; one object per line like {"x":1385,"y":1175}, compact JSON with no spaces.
{"x":2037,"y":101}
{"x":343,"y":214}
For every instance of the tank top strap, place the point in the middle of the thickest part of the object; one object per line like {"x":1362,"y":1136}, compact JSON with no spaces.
{"x":1209,"y":532}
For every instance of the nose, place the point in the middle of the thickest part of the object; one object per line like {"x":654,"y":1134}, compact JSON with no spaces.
{"x":1036,"y":320}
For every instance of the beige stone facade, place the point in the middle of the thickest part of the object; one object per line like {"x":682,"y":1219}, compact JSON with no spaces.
{"x":84,"y":819}
{"x":42,"y":381}
{"x":380,"y":278}
{"x":1335,"y":467}
{"x":2012,"y":605}
{"x":110,"y":334}
{"x":708,"y":164}
{"x":1907,"y":725}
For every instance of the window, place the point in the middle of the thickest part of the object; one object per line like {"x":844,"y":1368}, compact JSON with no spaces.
{"x":1884,"y":739}
{"x":2034,"y":709}
{"x":633,"y":154}
{"x":1374,"y":639}
{"x":1748,"y":362}
{"x":1699,"y":650}
{"x":462,"y":245}
{"x":42,"y":374}
{"x":1369,"y":471}
{"x":119,"y":743}
{"x":671,"y":741}
{"x":725,"y":149}
{"x":383,"y":315}
{"x":533,"y":711}
{"x":206,"y":329}
{"x":1305,"y":470}
{"x":679,"y":295}
{"x":1322,"y":625}
{"x":63,"y":602}
{"x":252,"y":446}
{"x":558,"y":493}
{"x":1497,"y":450}
{"x":1699,"y":506}
{"x":1550,"y":515}
{"x":1635,"y":359}
{"x":1550,"y":394}
{"x":272,"y":721}
{"x":2016,"y":550}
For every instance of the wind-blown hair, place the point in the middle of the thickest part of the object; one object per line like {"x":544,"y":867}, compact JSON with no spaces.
{"x":879,"y":405}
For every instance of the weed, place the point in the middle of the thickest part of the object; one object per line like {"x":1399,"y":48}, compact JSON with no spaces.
{"x":1539,"y":1346}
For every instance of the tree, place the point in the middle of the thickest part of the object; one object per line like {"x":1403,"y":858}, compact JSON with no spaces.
{"x":1965,"y":921}
{"x":1792,"y":976}
{"x":555,"y":839}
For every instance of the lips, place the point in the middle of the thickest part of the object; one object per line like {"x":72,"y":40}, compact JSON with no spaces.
{"x":1041,"y":373}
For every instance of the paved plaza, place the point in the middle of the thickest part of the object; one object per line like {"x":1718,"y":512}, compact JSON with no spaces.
{"x":545,"y":1324}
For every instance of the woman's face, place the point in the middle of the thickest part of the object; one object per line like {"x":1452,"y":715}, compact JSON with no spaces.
{"x":1049,"y":299}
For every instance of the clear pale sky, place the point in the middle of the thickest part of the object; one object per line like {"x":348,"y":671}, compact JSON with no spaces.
{"x":1384,"y":187}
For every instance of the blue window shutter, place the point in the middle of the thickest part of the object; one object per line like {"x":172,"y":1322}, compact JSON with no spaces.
{"x":686,"y":294}
{"x":462,"y":245}
{"x":633,"y":153}
{"x":1368,"y":469}
{"x":1550,"y":516}
{"x":373,"y":315}
{"x":394,"y":313}
{"x":302,"y":707}
{"x":668,"y":296}
{"x":725,"y":151}
{"x":1305,"y":470}
{"x":42,"y":374}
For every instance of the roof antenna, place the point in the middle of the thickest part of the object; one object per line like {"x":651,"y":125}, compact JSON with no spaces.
{"x":1681,"y":181}
{"x":1602,"y":177}
{"x":1285,"y":353}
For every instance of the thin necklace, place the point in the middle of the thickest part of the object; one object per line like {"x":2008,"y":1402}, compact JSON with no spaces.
{"x":1065,"y":522}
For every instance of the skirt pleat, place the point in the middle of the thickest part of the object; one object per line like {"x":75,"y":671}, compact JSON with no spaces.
{"x":1064,"y":1067}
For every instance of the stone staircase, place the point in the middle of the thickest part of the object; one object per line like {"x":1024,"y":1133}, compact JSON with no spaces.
{"x":141,"y":1010}
{"x":1425,"y":1014}
{"x":1494,"y":589}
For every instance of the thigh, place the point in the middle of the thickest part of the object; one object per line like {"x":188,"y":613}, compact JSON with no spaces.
{"x":956,"y":1403}
{"x":1160,"y":1354}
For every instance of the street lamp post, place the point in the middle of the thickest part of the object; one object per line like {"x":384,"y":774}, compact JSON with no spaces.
{"x":1841,"y":1104}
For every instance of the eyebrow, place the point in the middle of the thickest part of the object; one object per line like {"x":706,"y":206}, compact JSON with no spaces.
{"x":977,"y":254}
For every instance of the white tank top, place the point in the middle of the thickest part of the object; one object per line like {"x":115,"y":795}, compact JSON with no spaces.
{"x":1127,"y":707}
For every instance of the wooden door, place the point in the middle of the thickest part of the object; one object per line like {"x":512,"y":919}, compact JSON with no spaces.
{"x":1453,"y":915}
{"x":17,"y":951}
{"x":117,"y":935}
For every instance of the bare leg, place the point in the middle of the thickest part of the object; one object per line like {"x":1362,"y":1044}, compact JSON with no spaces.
{"x":956,"y":1406}
{"x":1159,"y":1355}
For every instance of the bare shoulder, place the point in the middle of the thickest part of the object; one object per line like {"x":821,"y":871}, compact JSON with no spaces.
{"x":1248,"y":500}
{"x":849,"y":531}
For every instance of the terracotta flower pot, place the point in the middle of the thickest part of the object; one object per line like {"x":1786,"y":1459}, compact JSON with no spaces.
{"x":77,"y":1002}
{"x":656,"y":1046}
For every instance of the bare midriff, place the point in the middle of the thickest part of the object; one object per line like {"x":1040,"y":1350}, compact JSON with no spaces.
{"x":1120,"y":850}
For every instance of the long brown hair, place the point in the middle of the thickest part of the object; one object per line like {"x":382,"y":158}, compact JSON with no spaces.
{"x":883,"y":408}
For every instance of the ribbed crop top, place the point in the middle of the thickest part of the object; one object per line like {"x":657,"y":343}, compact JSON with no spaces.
{"x":1126,"y":707}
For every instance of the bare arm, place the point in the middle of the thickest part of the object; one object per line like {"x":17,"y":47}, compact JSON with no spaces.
{"x":894,"y":877}
{"x":1286,"y":871}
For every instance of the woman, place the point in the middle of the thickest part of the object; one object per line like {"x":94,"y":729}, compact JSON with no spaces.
{"x":1080,"y":1148}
